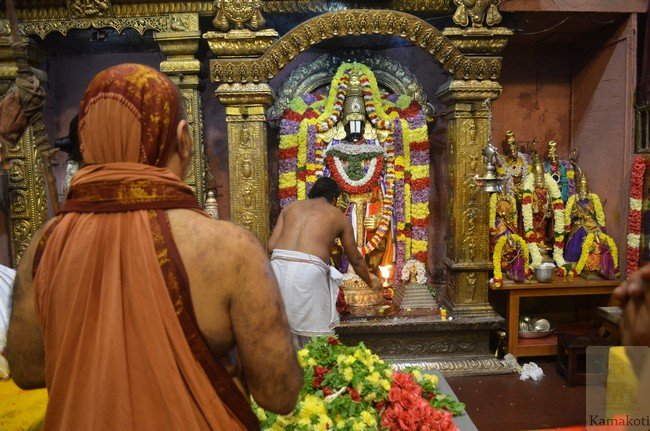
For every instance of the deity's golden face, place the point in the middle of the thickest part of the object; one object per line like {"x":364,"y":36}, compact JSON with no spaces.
{"x":510,"y":144}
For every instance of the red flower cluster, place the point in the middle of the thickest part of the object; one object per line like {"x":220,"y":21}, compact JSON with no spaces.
{"x":319,"y":375}
{"x":407,"y":410}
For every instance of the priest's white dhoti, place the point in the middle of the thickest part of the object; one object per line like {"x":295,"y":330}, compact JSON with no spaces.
{"x":309,"y":293}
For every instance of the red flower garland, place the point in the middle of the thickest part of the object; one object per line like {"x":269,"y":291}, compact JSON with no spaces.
{"x":634,"y":216}
{"x":349,"y":188}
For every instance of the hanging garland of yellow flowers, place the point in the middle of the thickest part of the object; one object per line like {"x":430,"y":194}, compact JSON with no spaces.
{"x":558,"y":222}
{"x":598,"y":208}
{"x":586,"y":246}
{"x":493,"y":209}
{"x":498,"y":254}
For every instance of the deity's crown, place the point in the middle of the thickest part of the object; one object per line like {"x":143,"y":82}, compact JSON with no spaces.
{"x":353,"y":106}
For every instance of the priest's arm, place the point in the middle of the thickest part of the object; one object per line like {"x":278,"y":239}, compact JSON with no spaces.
{"x":25,"y":349}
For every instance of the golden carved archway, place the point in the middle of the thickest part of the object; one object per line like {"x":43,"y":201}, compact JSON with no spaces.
{"x":358,"y":22}
{"x":470,"y":58}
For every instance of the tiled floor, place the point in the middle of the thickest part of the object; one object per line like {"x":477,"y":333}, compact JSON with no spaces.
{"x":504,"y":403}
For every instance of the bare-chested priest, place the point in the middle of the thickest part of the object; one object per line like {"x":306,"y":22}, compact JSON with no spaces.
{"x":128,"y":303}
{"x":300,"y":244}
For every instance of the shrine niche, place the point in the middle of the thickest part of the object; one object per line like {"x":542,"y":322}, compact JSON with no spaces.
{"x":367,"y":133}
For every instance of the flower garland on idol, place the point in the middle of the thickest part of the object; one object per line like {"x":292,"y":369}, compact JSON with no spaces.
{"x":351,"y":389}
{"x":634,"y":216}
{"x":558,"y":223}
{"x":498,"y":255}
{"x":598,"y":208}
{"x":494,"y":197}
{"x":586,"y":246}
{"x":406,"y":160}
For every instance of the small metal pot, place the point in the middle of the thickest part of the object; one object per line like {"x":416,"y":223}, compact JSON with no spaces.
{"x":544,"y":274}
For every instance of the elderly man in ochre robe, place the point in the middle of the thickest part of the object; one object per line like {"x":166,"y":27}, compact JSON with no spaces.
{"x":128,"y":303}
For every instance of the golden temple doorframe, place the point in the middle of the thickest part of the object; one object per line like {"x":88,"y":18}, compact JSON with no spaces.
{"x":183,"y":68}
{"x":26,"y":181}
{"x":247,"y":154}
{"x":468,"y":254}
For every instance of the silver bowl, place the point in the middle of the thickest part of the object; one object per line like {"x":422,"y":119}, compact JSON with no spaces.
{"x":544,"y":274}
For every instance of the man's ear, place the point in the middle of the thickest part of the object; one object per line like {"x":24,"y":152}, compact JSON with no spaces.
{"x":184,"y":140}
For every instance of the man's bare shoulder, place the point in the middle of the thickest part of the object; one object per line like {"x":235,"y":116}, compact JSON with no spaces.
{"x":209,"y":235}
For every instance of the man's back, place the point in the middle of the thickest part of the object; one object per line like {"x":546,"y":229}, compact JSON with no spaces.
{"x":310,"y":226}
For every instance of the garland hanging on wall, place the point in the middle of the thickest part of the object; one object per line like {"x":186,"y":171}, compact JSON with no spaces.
{"x":634,"y":216}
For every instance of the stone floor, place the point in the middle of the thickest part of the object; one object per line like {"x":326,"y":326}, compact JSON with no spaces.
{"x":504,"y":403}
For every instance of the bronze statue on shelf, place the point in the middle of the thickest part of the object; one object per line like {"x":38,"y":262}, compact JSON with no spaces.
{"x":542,"y":210}
{"x":561,"y":171}
{"x":513,"y":164}
{"x":588,"y":247}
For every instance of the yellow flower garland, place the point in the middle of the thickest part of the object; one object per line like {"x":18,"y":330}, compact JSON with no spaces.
{"x":493,"y":209}
{"x":598,"y":208}
{"x":586,"y":246}
{"x":498,"y":254}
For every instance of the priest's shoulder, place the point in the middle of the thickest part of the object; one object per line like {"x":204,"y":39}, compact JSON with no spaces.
{"x":193,"y":227}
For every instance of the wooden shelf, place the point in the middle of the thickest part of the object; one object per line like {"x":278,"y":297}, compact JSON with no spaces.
{"x":558,"y":283}
{"x":545,"y":346}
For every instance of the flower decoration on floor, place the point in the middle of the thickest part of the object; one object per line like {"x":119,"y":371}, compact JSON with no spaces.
{"x":558,"y":223}
{"x":351,"y":389}
{"x":634,"y":216}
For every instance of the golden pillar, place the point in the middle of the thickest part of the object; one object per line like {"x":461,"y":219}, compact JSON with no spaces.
{"x":183,"y":68}
{"x":468,"y":253}
{"x":241,"y":37}
{"x":247,"y":154}
{"x":26,"y":172}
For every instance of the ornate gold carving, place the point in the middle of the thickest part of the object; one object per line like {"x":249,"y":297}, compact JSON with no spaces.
{"x":181,"y":66}
{"x":240,"y":43}
{"x":238,"y":13}
{"x":247,"y":155}
{"x":481,"y":40}
{"x":89,"y":8}
{"x":309,"y":76}
{"x":468,"y":257}
{"x":152,"y":9}
{"x":356,"y":22}
{"x":295,"y":6}
{"x":422,"y":5}
{"x":140,"y":24}
{"x":477,"y":12}
{"x":27,"y":197}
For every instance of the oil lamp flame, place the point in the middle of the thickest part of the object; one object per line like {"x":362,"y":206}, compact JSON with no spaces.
{"x":385,"y":273}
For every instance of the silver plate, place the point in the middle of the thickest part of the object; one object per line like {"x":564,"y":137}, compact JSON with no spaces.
{"x":535,"y":334}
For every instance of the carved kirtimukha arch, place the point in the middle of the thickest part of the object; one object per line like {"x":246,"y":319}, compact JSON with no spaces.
{"x":312,"y":75}
{"x":358,"y":22}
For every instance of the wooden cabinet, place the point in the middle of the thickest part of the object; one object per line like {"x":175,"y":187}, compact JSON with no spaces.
{"x":546,"y":346}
